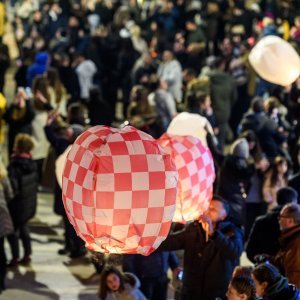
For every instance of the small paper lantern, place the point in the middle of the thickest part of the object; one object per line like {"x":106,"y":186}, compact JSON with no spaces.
{"x":119,"y":190}
{"x":275,"y":60}
{"x":60,"y":165}
{"x":196,"y":172}
{"x":190,"y":124}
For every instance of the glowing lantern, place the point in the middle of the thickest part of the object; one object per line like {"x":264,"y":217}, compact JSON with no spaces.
{"x":119,"y":190}
{"x":275,"y":60}
{"x":196,"y":172}
{"x":190,"y":124}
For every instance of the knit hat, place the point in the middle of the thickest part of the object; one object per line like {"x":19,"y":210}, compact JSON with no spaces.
{"x":240,"y":148}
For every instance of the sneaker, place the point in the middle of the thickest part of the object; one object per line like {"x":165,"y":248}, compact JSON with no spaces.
{"x":13,"y":263}
{"x":26,"y":260}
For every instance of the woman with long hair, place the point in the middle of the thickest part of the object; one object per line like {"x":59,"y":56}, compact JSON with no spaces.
{"x":275,"y":179}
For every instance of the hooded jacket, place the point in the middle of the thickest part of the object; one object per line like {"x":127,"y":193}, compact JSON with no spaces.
{"x":281,"y":290}
{"x":38,"y":67}
{"x":131,"y":290}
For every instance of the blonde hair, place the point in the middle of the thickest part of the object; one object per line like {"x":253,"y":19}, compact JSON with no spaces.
{"x":23,"y":143}
{"x":3,"y":170}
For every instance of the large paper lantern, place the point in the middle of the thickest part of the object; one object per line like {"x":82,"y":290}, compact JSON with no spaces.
{"x":190,"y":124}
{"x":119,"y":190}
{"x":196,"y":172}
{"x":275,"y":60}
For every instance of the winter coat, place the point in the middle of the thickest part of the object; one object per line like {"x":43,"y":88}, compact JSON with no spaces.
{"x":22,"y":172}
{"x":39,"y":67}
{"x":153,"y":266}
{"x":264,"y":235}
{"x":223,"y":94}
{"x":6,"y":194}
{"x":288,"y":258}
{"x":208,"y":266}
{"x":266,"y":131}
{"x":131,"y":291}
{"x":171,"y":72}
{"x":281,"y":290}
{"x":234,"y":180}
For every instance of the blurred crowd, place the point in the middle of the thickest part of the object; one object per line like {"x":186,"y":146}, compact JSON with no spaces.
{"x":145,"y":63}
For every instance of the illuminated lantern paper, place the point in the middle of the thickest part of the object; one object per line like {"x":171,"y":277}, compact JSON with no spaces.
{"x":196,"y":172}
{"x":119,"y":190}
{"x":190,"y":124}
{"x":60,"y":165}
{"x":275,"y":60}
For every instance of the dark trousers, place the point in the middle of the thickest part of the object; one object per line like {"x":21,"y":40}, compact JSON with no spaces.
{"x":155,"y":288}
{"x":2,"y":264}
{"x":223,"y":128}
{"x":72,"y":241}
{"x":23,"y":234}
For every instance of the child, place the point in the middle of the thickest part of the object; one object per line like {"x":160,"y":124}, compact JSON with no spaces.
{"x":23,"y":175}
{"x":241,"y":288}
{"x":119,"y":286}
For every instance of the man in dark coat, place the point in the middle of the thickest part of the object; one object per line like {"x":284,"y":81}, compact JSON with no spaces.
{"x":152,"y":272}
{"x":263,"y":238}
{"x":212,"y":248}
{"x":288,"y":258}
{"x":223,"y":97}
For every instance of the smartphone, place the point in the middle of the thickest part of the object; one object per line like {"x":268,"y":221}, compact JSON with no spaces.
{"x":28,"y":92}
{"x":180,"y":276}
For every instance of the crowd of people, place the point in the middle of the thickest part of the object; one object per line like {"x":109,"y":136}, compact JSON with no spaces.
{"x":143,"y":63}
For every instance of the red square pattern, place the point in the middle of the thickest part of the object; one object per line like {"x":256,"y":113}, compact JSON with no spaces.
{"x":123,"y":182}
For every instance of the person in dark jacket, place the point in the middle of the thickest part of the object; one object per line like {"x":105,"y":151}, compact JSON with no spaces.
{"x":270,"y":285}
{"x":223,"y":97}
{"x":60,"y":142}
{"x":212,"y":248}
{"x":235,"y":176}
{"x":152,"y":272}
{"x":6,"y":224}
{"x":268,"y":133}
{"x":4,"y":64}
{"x":23,"y":174}
{"x":265,"y":232}
{"x":19,"y":116}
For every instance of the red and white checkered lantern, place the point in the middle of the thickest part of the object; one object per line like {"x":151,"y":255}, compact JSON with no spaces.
{"x":196,"y":171}
{"x":119,"y":190}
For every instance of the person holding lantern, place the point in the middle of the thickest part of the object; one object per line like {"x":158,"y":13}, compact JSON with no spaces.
{"x":212,"y":245}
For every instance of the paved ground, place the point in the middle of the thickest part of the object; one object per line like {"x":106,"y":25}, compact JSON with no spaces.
{"x":50,"y":276}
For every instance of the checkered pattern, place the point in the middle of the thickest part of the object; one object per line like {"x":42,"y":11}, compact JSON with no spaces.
{"x":196,"y":175}
{"x":119,"y":190}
